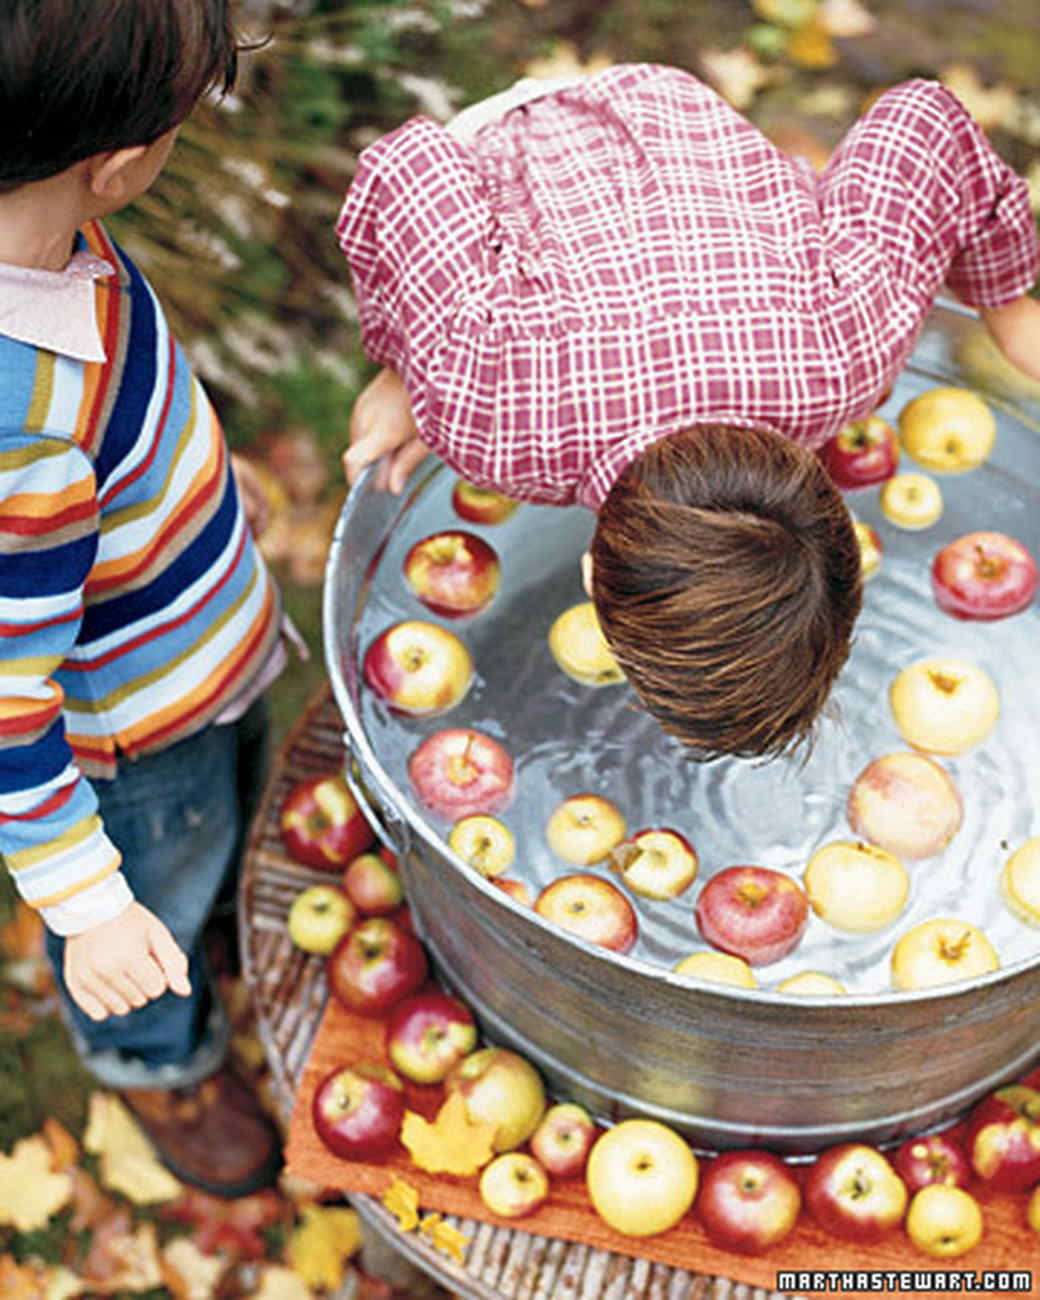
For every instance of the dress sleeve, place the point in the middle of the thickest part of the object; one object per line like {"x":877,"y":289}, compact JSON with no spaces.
{"x":918,"y":175}
{"x":51,"y":837}
{"x":413,"y":227}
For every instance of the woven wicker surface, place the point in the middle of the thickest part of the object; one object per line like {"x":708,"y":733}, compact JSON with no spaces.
{"x":289,"y":994}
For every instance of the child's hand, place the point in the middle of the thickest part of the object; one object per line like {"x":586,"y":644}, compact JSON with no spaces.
{"x":1015,"y":328}
{"x":124,"y":963}
{"x":382,"y":429}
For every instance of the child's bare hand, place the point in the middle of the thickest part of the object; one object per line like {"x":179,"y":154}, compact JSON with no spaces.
{"x":382,"y":430}
{"x":1015,"y":329}
{"x":124,"y":963}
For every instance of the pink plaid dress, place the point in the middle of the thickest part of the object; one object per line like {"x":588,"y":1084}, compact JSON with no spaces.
{"x":629,"y":256}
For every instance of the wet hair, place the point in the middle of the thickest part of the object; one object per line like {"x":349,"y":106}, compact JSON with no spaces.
{"x":81,"y":77}
{"x":726,"y":576}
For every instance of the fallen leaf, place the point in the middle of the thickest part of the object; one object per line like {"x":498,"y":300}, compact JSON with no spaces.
{"x":63,"y":1284}
{"x":736,"y":74}
{"x":20,"y":1281}
{"x":90,"y":1205}
{"x":128,"y":1161}
{"x":30,"y":1192}
{"x":402,"y":1200}
{"x":64,"y":1147}
{"x":1024,"y":123}
{"x":811,"y":47}
{"x":120,"y":1259}
{"x":846,"y":18}
{"x":563,"y":60}
{"x":445,"y":1237}
{"x":989,"y":107}
{"x":231,"y":1226}
{"x":322,"y":1243}
{"x":788,"y":13}
{"x":24,"y":935}
{"x":295,"y":459}
{"x":280,"y":1283}
{"x":188,"y":1273}
{"x":452,"y":1143}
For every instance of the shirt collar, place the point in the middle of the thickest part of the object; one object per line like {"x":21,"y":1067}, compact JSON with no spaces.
{"x":55,"y":310}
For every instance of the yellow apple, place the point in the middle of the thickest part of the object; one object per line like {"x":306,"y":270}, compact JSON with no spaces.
{"x":944,"y":1221}
{"x":580,"y":648}
{"x":483,"y":842}
{"x":947,"y":429}
{"x":717,"y":968}
{"x":905,"y":803}
{"x":942,"y":951}
{"x":944,"y":706}
{"x":855,"y":886}
{"x":870,"y":548}
{"x":911,"y":501}
{"x":641,"y":1177}
{"x":584,"y":828}
{"x":811,"y":983}
{"x":513,"y":1185}
{"x":1020,"y":882}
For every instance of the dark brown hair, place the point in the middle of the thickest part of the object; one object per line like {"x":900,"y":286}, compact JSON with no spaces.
{"x":81,"y":77}
{"x":726,"y":575}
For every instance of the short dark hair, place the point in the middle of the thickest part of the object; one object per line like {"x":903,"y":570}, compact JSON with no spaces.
{"x":81,"y":77}
{"x":727,"y":579}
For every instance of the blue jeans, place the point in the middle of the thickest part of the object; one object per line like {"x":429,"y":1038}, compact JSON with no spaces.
{"x":179,"y":817}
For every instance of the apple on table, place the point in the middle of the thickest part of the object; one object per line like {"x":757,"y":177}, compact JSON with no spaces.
{"x":853,"y":1192}
{"x":563,"y":1139}
{"x":372,"y":884}
{"x":357,"y":1110}
{"x":933,"y":1158}
{"x":748,"y":1201}
{"x":1002,"y":1138}
{"x":944,"y":1220}
{"x":513,"y":1185}
{"x":428,"y":1034}
{"x":321,"y":824}
{"x":319,"y":916}
{"x":500,"y":1087}
{"x":375,"y":965}
{"x":641,"y":1177}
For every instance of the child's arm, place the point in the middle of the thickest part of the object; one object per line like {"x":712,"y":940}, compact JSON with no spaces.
{"x":124,"y":963}
{"x":1015,"y":329}
{"x":382,"y":429}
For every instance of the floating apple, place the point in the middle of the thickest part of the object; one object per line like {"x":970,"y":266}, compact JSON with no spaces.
{"x":941,"y":952}
{"x":584,"y":828}
{"x":357,"y":1110}
{"x":811,"y":984}
{"x":499,"y":1087}
{"x":518,"y":890}
{"x":752,"y":912}
{"x":641,"y":1177}
{"x":853,"y":1192}
{"x":905,"y":803}
{"x":418,"y":668}
{"x":480,"y":505}
{"x":864,"y":452}
{"x":321,"y":824}
{"x":935,"y":1158}
{"x":944,"y":706}
{"x":319,"y":916}
{"x":375,"y":965}
{"x":484,"y":843}
{"x":453,"y":573}
{"x":983,"y":576}
{"x":911,"y":501}
{"x":944,"y":1221}
{"x":1002,"y":1138}
{"x":947,"y":429}
{"x":717,"y":968}
{"x":578,"y":645}
{"x":870,"y":548}
{"x":656,"y":863}
{"x":513,"y":1185}
{"x":563,"y":1139}
{"x":428,"y":1034}
{"x":590,"y":908}
{"x":1020,"y":882}
{"x":458,"y":772}
{"x":372,"y":885}
{"x":748,"y":1201}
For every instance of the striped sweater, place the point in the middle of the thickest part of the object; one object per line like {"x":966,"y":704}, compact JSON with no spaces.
{"x":134,"y":607}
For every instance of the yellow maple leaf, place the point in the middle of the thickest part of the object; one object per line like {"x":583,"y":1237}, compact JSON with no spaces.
{"x":402,"y":1200}
{"x":736,"y":74}
{"x":188,"y":1272}
{"x":127,"y":1161}
{"x":280,"y":1283}
{"x":452,"y":1143}
{"x":811,"y":47}
{"x":563,"y":60}
{"x":64,"y":1147}
{"x":30,"y":1192}
{"x":445,"y":1236}
{"x":990,"y":108}
{"x":322,"y":1243}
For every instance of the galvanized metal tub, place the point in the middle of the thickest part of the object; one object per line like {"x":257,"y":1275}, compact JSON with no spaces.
{"x":623,"y":1034}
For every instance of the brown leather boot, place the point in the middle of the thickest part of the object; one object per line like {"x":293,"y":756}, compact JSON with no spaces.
{"x":213,"y":1135}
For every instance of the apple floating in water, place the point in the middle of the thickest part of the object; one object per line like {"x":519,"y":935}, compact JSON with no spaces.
{"x":864,"y":452}
{"x":752,"y":912}
{"x":459,"y":772}
{"x":984,"y":576}
{"x":418,"y":668}
{"x":905,"y":803}
{"x":480,"y":505}
{"x":944,"y":706}
{"x":454,"y":573}
{"x":590,"y":908}
{"x":911,"y":501}
{"x":947,"y":429}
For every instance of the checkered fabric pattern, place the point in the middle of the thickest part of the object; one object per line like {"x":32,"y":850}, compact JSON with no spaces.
{"x":624,"y":258}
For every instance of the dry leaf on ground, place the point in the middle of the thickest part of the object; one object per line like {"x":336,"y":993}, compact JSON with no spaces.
{"x":188,"y":1273}
{"x":445,"y":1237}
{"x":128,"y":1162}
{"x":280,"y":1283}
{"x":121,"y":1259}
{"x":846,"y":18}
{"x":736,"y":74}
{"x":232,"y":1226}
{"x":563,"y":60}
{"x":30,"y":1191}
{"x":452,"y":1143}
{"x":402,"y":1200}
{"x":990,"y":107}
{"x":320,"y":1246}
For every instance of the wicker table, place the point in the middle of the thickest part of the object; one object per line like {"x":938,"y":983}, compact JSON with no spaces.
{"x":289,"y":994}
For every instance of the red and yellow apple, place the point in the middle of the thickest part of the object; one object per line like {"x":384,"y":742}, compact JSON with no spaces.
{"x":641,"y":1177}
{"x":518,"y":890}
{"x":1002,"y":1138}
{"x":864,"y":452}
{"x":905,"y":803}
{"x":944,"y":1221}
{"x":984,"y":576}
{"x":584,"y":828}
{"x":871,"y":549}
{"x":454,"y":573}
{"x":321,"y":824}
{"x":941,"y":951}
{"x":484,"y":843}
{"x":752,"y":912}
{"x":590,"y":908}
{"x":418,"y":668}
{"x":428,"y":1034}
{"x":375,"y":965}
{"x":911,"y":501}
{"x":656,"y":863}
{"x":853,"y":1192}
{"x":947,"y":429}
{"x":1020,"y":882}
{"x":372,"y":884}
{"x":563,"y":1139}
{"x":717,"y":968}
{"x":944,"y":706}
{"x":513,"y":1185}
{"x":319,"y":916}
{"x":480,"y":505}
{"x":748,"y":1201}
{"x":499,"y":1087}
{"x":458,"y":772}
{"x":934,"y":1158}
{"x":578,"y":645}
{"x":357,"y":1110}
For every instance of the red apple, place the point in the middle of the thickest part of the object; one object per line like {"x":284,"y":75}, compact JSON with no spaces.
{"x":590,"y":908}
{"x":936,"y":1158}
{"x":480,"y":505}
{"x":453,"y":573}
{"x":321,"y":824}
{"x":457,"y":772}
{"x":418,"y":668}
{"x":864,"y":452}
{"x":499,"y":1087}
{"x":376,"y":965}
{"x":428,"y":1034}
{"x":752,"y":912}
{"x":563,"y":1139}
{"x":748,"y":1201}
{"x":983,"y":576}
{"x":357,"y":1110}
{"x":372,"y":885}
{"x":853,"y":1192}
{"x":1002,"y":1139}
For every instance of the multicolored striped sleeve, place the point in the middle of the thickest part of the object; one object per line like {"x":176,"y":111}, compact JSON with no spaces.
{"x":51,"y":837}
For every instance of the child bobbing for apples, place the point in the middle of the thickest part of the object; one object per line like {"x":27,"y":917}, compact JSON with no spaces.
{"x":616,"y":292}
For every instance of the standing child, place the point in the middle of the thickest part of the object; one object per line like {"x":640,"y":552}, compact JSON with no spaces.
{"x":138,"y":624}
{"x":619,"y":293}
